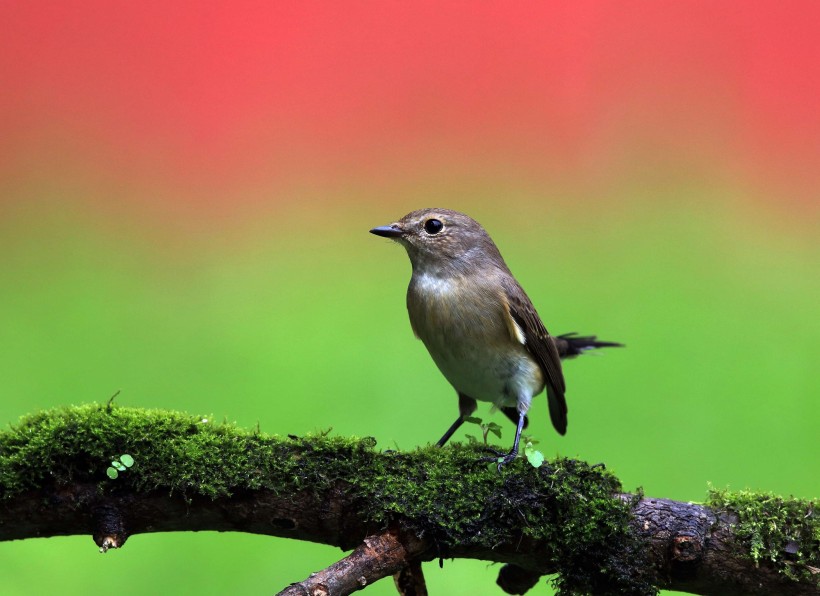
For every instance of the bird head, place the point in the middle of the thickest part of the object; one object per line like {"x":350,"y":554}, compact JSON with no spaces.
{"x":440,"y":239}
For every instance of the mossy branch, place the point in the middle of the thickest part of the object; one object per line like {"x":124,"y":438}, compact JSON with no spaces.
{"x":565,"y":518}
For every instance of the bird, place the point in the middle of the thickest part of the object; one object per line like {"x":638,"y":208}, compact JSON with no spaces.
{"x":478,"y":324}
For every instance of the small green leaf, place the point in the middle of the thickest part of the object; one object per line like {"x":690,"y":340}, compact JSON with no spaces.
{"x":119,"y":466}
{"x":472,"y":420}
{"x":535,"y":457}
{"x":127,"y":460}
{"x":495,"y":429}
{"x":471,"y":440}
{"x":112,"y":473}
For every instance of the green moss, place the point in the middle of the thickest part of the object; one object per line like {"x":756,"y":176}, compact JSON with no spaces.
{"x":448,"y":494}
{"x":785,"y":532}
{"x":172,"y":451}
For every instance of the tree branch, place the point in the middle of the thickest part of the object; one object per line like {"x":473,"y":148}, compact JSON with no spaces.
{"x":395,"y":509}
{"x":376,"y":557}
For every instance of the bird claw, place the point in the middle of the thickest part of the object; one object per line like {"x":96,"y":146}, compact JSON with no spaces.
{"x":499,"y":457}
{"x":504,"y":460}
{"x":496,"y":453}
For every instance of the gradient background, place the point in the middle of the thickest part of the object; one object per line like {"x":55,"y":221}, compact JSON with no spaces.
{"x":186,"y":189}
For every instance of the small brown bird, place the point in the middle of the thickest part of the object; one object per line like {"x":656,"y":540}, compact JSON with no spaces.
{"x":478,"y":323}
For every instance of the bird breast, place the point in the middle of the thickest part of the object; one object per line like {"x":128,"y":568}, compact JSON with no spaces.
{"x":467,"y":330}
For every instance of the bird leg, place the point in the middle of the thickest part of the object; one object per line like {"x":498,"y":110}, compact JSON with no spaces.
{"x":455,"y":426}
{"x":466,"y":406}
{"x":504,"y":459}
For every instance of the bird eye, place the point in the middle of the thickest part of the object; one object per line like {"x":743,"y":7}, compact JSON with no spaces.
{"x":433,"y":226}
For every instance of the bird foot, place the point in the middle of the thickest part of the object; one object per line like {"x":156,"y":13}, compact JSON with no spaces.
{"x":499,"y":457}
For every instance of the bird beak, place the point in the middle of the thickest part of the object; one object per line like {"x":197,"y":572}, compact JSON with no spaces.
{"x":391,"y":231}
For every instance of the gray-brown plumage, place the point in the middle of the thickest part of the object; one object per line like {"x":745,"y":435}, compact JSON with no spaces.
{"x":478,"y":324}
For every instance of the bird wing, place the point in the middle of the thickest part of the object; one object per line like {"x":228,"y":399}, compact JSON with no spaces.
{"x":540,"y":344}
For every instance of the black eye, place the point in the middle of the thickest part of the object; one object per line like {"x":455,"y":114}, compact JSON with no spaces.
{"x":433,"y":226}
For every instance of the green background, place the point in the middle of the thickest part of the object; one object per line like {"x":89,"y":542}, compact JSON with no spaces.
{"x":186,"y":190}
{"x":299,"y":327}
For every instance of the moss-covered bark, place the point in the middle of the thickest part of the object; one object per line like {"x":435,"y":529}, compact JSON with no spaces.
{"x":775,"y":530}
{"x":561,"y":518}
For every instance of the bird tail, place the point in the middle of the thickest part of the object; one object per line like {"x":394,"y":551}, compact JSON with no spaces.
{"x":571,"y":345}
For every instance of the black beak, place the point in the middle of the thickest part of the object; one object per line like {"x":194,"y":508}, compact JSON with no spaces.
{"x":391,"y":231}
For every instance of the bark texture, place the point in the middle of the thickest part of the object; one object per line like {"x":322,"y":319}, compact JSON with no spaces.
{"x":395,"y":510}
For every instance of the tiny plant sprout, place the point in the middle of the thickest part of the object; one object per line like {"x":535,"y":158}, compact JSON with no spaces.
{"x":535,"y":457}
{"x":486,"y":429}
{"x":493,"y":428}
{"x":121,"y":464}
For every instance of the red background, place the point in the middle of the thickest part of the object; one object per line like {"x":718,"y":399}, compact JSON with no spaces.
{"x":207,"y":97}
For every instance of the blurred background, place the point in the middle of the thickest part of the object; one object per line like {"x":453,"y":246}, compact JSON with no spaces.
{"x":186,"y":190}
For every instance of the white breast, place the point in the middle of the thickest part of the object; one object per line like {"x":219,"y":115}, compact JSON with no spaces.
{"x":432,"y":285}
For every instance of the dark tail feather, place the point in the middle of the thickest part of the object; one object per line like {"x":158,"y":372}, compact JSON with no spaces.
{"x":558,"y":409}
{"x":571,"y":345}
{"x":511,"y":412}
